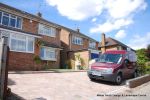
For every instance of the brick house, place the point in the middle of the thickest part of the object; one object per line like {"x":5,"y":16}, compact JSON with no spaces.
{"x":31,"y":39}
{"x":77,"y":45}
{"x":111,"y":44}
{"x":36,"y":43}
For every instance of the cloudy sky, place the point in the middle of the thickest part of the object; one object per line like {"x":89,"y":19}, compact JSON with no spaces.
{"x":124,"y":20}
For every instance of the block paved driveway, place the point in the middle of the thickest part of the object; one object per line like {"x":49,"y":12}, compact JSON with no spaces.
{"x":59,"y":86}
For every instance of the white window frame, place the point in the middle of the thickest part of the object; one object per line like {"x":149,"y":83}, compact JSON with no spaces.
{"x":77,"y":40}
{"x":52,"y":50}
{"x":26,"y":40}
{"x":10,"y":19}
{"x":92,"y":44}
{"x":44,"y":28}
{"x":9,"y":35}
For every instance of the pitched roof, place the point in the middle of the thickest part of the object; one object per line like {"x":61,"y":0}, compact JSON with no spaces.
{"x":111,"y":42}
{"x":45,"y":43}
{"x":41,"y":19}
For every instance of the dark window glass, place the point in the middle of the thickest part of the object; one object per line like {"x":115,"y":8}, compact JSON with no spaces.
{"x":5,"y":20}
{"x":0,"y":17}
{"x":18,"y":25}
{"x":12,"y":21}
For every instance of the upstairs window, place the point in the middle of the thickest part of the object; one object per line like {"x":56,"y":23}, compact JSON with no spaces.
{"x":92,"y":44}
{"x":48,"y":31}
{"x":5,"y":19}
{"x":77,"y":40}
{"x":10,"y":20}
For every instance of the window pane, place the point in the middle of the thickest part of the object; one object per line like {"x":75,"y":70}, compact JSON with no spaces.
{"x":13,"y":44}
{"x":30,"y":44}
{"x":12,"y":22}
{"x":21,"y":45}
{"x":53,"y":31}
{"x":42,"y":52}
{"x":0,"y":17}
{"x":18,"y":42}
{"x":5,"y":20}
{"x":50,"y":54}
{"x":18,"y":25}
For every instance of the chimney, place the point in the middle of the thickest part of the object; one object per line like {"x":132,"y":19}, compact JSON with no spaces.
{"x":103,"y":40}
{"x":39,"y":14}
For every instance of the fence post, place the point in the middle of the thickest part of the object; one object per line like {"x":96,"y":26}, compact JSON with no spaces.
{"x":3,"y":68}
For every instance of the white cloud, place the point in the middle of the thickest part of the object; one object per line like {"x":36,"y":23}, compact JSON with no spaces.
{"x":120,"y":34}
{"x":120,"y":14}
{"x":111,"y":25}
{"x":138,"y":41}
{"x":116,"y":12}
{"x":123,"y":8}
{"x":78,"y":9}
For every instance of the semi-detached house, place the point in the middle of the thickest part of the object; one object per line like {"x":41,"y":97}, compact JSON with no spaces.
{"x":36,"y":43}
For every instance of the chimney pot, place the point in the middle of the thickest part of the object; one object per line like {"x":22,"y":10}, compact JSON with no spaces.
{"x":39,"y":14}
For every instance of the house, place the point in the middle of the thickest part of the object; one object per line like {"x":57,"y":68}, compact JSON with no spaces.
{"x":78,"y":49}
{"x":111,"y":44}
{"x":34,"y":42}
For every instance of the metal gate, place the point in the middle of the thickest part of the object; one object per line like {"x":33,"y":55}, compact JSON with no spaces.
{"x":4,"y":50}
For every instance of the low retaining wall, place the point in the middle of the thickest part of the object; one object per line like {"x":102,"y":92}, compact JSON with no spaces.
{"x":138,"y":81}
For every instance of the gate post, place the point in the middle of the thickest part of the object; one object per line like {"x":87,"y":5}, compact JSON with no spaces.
{"x":4,"y":51}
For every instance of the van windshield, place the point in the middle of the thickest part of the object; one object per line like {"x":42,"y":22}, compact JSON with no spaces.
{"x":110,"y":58}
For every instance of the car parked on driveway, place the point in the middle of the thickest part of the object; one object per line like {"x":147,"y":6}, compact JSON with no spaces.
{"x":114,"y":66}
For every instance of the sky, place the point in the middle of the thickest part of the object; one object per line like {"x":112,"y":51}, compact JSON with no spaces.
{"x":124,"y":20}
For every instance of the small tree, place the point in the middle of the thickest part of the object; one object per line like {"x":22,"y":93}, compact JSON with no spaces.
{"x":141,"y":56}
{"x":141,"y":60}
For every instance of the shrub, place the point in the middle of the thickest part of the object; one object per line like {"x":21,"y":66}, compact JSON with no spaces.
{"x":37,"y":59}
{"x":142,"y":69}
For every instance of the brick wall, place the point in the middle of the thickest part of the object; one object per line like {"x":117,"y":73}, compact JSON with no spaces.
{"x":64,"y":37}
{"x":29,"y":26}
{"x":24,"y":61}
{"x":111,"y":48}
{"x":78,"y":47}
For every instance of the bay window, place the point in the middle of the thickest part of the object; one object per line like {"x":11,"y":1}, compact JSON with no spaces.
{"x":48,"y":31}
{"x":21,"y":43}
{"x":48,"y":53}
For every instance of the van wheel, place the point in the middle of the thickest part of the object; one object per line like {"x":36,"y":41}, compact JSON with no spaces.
{"x":119,"y":79}
{"x":92,"y":79}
